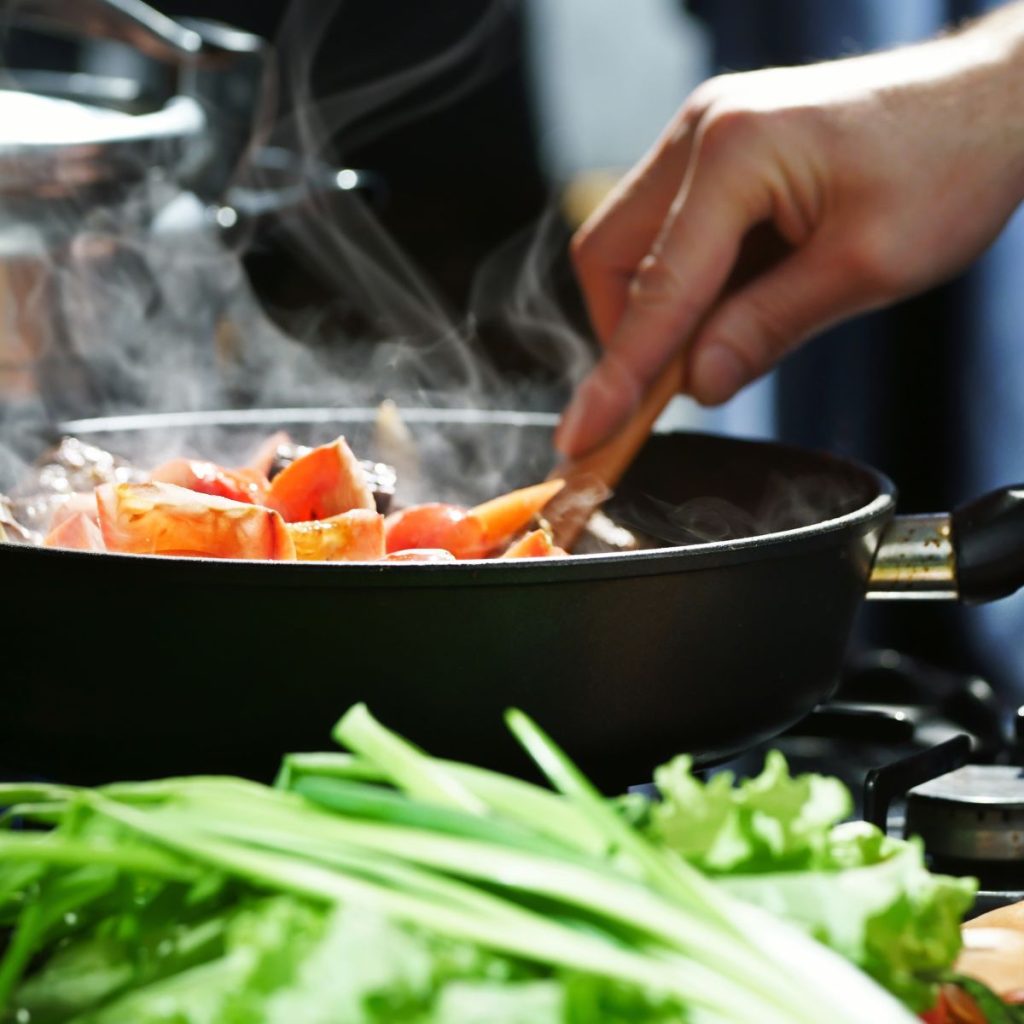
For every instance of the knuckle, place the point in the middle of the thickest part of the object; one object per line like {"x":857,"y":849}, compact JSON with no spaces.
{"x":710,"y":92}
{"x":758,"y":335}
{"x":726,"y":127}
{"x":581,"y":248}
{"x":588,"y":253}
{"x":773,"y":334}
{"x":871,"y":260}
{"x":656,"y":284}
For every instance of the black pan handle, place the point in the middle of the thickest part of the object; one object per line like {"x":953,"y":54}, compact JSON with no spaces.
{"x":988,"y":539}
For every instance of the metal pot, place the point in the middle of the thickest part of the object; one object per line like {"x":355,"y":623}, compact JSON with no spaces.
{"x":119,"y":197}
{"x":117,"y":664}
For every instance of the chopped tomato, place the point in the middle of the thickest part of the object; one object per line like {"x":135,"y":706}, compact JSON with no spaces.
{"x":503,"y":517}
{"x":163,"y":519}
{"x":320,"y":484}
{"x":536,"y":544}
{"x":73,"y":505}
{"x":955,"y":1006}
{"x":77,"y":532}
{"x":420,"y":555}
{"x":436,"y":525}
{"x":245,"y":484}
{"x":354,"y":536}
{"x":937,"y":1014}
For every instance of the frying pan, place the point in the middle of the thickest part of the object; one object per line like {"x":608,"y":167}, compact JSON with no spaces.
{"x":731,"y":630}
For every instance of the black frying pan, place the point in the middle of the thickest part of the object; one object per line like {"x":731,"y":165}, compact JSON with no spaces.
{"x":120,"y":665}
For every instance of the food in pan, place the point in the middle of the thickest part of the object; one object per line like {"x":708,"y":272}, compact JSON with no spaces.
{"x":288,"y":503}
{"x":386,"y":885}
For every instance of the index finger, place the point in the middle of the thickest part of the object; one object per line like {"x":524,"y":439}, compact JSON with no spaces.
{"x":675,"y":286}
{"x":607,"y":248}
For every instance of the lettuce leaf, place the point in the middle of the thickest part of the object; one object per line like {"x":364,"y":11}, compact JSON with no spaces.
{"x":891,"y":917}
{"x":775,"y":841}
{"x":769,"y":823}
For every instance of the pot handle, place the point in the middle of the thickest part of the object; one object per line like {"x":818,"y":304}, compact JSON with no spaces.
{"x":988,"y":539}
{"x":123,"y":21}
{"x":227,"y":71}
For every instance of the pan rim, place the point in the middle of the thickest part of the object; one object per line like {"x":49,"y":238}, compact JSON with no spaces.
{"x":601,"y":565}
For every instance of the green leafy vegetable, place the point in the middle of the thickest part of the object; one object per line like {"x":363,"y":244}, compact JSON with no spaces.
{"x":774,"y":841}
{"x":386,"y":885}
{"x":769,"y":823}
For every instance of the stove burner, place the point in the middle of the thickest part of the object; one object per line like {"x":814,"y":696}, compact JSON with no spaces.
{"x":899,"y":732}
{"x":972,"y":821}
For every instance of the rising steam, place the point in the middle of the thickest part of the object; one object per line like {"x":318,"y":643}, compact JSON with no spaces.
{"x":135,"y":298}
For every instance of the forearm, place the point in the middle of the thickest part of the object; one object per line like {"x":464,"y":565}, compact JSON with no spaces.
{"x":980,"y":67}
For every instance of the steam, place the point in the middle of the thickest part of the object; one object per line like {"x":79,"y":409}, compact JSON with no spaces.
{"x":136,"y":298}
{"x":786,"y":502}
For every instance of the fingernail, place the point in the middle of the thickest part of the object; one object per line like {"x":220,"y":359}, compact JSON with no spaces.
{"x":718,"y":373}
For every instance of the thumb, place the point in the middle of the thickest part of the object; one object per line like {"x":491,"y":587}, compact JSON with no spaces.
{"x":769,"y":317}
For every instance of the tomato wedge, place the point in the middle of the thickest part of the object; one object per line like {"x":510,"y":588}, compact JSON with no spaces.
{"x":163,"y":519}
{"x":436,"y":525}
{"x":420,"y":555}
{"x":353,"y":536}
{"x":78,"y":532}
{"x":320,"y":484}
{"x":503,"y":517}
{"x":75,"y":503}
{"x":245,"y":484}
{"x":535,"y":544}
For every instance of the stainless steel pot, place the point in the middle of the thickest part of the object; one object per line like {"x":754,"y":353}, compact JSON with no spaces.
{"x":118,"y":198}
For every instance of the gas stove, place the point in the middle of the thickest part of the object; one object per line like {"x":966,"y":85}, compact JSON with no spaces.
{"x":925,"y":752}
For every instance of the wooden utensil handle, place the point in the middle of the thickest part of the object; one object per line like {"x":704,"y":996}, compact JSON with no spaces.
{"x":590,"y":478}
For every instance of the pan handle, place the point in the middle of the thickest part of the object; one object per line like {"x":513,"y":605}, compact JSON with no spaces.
{"x":974,"y":555}
{"x":988,"y":538}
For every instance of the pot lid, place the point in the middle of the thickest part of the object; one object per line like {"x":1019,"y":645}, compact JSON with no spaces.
{"x":51,"y":146}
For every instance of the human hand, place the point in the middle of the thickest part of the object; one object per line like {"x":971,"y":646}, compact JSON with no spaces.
{"x":778,"y":202}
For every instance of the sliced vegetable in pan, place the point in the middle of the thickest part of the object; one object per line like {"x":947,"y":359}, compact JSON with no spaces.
{"x":437,"y":525}
{"x":331,"y":502}
{"x":322,"y":483}
{"x":77,"y":533}
{"x":162,"y":519}
{"x":353,"y":536}
{"x":208,"y":478}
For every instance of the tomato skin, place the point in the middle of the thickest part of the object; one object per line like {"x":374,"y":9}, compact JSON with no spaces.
{"x":76,"y":503}
{"x":955,"y":1006}
{"x":536,"y":544}
{"x":503,"y":517}
{"x":163,"y":519}
{"x":353,"y":536}
{"x":436,"y":525}
{"x":322,"y":483}
{"x":420,"y":555}
{"x":78,"y":532}
{"x":248,"y":485}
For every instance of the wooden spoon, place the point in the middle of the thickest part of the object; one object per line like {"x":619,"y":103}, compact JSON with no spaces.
{"x":589,"y":480}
